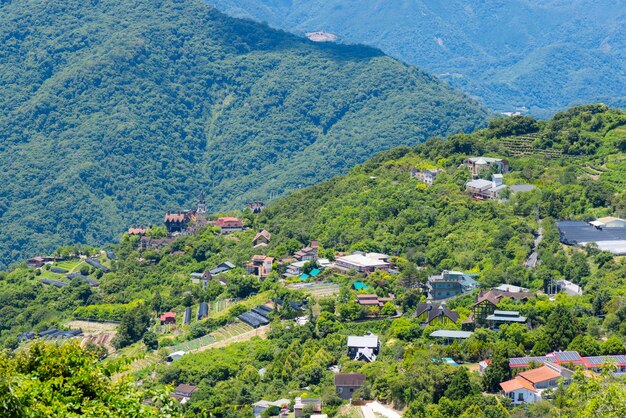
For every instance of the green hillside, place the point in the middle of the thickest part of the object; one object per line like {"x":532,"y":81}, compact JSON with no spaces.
{"x":113,"y":111}
{"x":541,"y":55}
{"x":576,"y":160}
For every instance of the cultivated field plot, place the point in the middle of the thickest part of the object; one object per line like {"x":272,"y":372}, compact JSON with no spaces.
{"x":224,"y":333}
{"x":92,"y":326}
{"x":69,"y":265}
{"x":317,"y":289}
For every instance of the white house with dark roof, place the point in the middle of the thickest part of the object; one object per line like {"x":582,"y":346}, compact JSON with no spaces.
{"x":364,"y":347}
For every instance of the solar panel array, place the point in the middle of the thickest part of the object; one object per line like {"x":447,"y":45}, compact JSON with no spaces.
{"x":600,"y":360}
{"x":519,"y":361}
{"x":565,"y":356}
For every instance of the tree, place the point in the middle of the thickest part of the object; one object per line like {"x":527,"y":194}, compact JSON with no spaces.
{"x":599,"y":301}
{"x":327,"y":304}
{"x":585,"y":345}
{"x":613,"y":345}
{"x":498,"y":371}
{"x":81,"y":385}
{"x":150,"y":340}
{"x":561,"y":328}
{"x":388,"y":309}
{"x":350,"y":311}
{"x":326,"y":324}
{"x":132,"y":327}
{"x":460,"y":386}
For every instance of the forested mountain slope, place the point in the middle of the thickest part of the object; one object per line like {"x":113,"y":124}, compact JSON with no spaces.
{"x":543,"y":55}
{"x":576,"y":161}
{"x":112,"y":112}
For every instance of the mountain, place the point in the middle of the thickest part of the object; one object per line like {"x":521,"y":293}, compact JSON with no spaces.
{"x":540,"y":55}
{"x":576,"y":162}
{"x":112,"y":112}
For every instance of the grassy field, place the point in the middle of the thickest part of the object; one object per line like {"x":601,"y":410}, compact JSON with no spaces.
{"x":69,"y":265}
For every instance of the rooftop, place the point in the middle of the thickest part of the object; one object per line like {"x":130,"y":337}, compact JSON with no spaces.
{"x":349,"y":379}
{"x":540,"y":374}
{"x":364,"y":341}
{"x":449,"y":333}
{"x":516,"y":384}
{"x":363,"y":260}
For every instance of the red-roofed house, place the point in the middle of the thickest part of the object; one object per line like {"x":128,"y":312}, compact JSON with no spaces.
{"x":168,"y":318}
{"x":229,"y":224}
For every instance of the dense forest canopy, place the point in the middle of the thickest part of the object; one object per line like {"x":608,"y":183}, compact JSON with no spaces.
{"x":112,"y":112}
{"x":542,"y":55}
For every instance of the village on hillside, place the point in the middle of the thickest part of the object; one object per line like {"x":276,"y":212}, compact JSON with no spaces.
{"x":448,"y":308}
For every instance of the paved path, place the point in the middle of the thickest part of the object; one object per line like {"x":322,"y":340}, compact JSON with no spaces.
{"x":367,"y":412}
{"x":381,"y":409}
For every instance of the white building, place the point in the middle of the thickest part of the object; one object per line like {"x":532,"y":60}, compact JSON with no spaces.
{"x":363,"y":263}
{"x":363,"y":348}
{"x":528,"y":386}
{"x":609,"y":222}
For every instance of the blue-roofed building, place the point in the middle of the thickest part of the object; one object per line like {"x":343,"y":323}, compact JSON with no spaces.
{"x":449,"y":284}
{"x":304,"y":276}
{"x":314,"y":272}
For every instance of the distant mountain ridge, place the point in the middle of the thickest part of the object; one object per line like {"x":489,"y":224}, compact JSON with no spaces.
{"x":543,"y":55}
{"x":114,"y":111}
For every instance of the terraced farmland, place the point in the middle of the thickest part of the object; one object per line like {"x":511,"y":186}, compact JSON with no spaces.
{"x":229,"y":331}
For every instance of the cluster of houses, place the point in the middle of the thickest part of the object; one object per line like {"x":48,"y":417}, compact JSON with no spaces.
{"x":492,"y":189}
{"x":527,"y":386}
{"x":364,"y":348}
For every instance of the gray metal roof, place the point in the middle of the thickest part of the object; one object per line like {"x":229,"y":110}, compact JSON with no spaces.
{"x":449,"y":333}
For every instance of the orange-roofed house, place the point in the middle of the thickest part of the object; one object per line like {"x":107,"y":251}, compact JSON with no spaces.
{"x":527,"y":386}
{"x":229,"y":224}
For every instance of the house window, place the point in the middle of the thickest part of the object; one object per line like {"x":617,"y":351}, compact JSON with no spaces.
{"x":520,"y":397}
{"x":351,"y":390}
